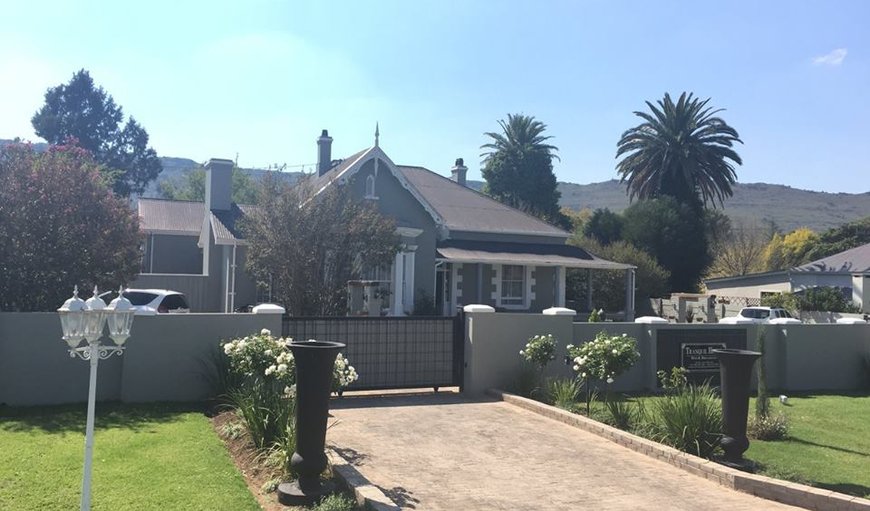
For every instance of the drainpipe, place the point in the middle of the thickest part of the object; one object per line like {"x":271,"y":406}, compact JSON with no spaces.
{"x":151,"y":255}
{"x":233,"y":281}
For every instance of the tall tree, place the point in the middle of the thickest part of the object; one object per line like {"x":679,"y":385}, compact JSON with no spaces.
{"x":740,"y":252}
{"x":518,"y":168}
{"x":682,"y":150}
{"x":86,"y":113}
{"x":60,"y":226}
{"x":673,"y":233}
{"x":604,"y":226}
{"x":793,"y":249}
{"x":309,"y":247}
{"x":191,"y":186}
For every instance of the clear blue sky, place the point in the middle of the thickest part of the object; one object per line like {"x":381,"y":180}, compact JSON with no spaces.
{"x":261,"y":79}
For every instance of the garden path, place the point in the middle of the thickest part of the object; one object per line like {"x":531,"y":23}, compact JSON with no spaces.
{"x":445,"y":452}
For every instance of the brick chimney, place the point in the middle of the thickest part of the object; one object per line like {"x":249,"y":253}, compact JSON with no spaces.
{"x":457,"y":173}
{"x":218,"y":184}
{"x":324,"y":153}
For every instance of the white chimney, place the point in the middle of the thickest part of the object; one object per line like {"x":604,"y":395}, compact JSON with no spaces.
{"x":324,"y":153}
{"x":218,"y":184}
{"x":457,"y":173}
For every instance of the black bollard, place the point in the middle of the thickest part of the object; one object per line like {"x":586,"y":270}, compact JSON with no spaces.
{"x":735,"y":368}
{"x":315,"y":361}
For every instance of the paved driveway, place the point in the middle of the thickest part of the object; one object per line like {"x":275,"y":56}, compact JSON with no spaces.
{"x":444,"y":452}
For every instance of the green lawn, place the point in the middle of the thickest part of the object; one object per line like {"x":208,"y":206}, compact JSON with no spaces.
{"x":828,"y":444}
{"x":162,"y":457}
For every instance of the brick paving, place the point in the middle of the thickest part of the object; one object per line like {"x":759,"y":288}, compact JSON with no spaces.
{"x":445,"y":452}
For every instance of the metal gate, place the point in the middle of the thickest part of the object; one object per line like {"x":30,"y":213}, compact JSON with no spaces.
{"x":392,"y":352}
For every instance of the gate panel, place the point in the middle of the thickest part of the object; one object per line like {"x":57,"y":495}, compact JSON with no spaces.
{"x":388,"y":352}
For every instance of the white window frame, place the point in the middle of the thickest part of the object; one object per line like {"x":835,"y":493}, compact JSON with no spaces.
{"x":498,"y":280}
{"x":370,"y":188}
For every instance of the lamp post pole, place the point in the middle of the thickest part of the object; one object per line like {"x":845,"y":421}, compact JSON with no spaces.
{"x":85,"y":321}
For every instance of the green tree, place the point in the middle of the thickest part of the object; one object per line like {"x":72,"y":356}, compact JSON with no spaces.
{"x":60,"y":227}
{"x":604,"y":226}
{"x":793,"y":249}
{"x":674,"y":234}
{"x":309,"y":246}
{"x":608,"y":287}
{"x":191,"y":186}
{"x":681,"y":150}
{"x":83,"y":112}
{"x":518,"y":168}
{"x":839,"y":239}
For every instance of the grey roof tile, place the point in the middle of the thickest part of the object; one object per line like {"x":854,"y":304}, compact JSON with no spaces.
{"x":464,"y":209}
{"x":171,"y":216}
{"x":523,"y":254}
{"x":855,"y":260}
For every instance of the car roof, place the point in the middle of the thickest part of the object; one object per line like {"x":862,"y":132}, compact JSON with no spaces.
{"x":154,"y":291}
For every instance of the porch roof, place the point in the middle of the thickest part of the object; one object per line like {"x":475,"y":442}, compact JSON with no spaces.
{"x":526,"y":254}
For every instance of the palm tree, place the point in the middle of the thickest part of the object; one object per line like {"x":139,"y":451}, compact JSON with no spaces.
{"x":681,"y":150}
{"x":518,"y":167}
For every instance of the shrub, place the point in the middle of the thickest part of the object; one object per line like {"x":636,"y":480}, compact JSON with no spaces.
{"x":596,"y":316}
{"x":688,"y":419}
{"x":773,"y":426}
{"x":564,"y":393}
{"x":605,"y":357}
{"x":540,"y":351}
{"x":622,"y":414}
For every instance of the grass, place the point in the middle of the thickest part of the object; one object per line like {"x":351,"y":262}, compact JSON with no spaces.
{"x":828,"y":444}
{"x":160,"y":457}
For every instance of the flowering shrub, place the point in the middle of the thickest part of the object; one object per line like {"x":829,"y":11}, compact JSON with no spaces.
{"x":540,"y":350}
{"x":343,"y":374}
{"x":605,"y":357}
{"x":265,"y":399}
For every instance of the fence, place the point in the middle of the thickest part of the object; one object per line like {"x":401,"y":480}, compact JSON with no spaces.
{"x":799,"y":357}
{"x":390,"y":352}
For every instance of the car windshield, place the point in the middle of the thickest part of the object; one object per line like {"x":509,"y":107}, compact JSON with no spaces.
{"x":139,"y":297}
{"x":174,"y":302}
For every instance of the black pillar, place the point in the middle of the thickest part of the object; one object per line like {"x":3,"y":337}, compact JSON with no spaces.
{"x":735,"y":368}
{"x":315,"y":361}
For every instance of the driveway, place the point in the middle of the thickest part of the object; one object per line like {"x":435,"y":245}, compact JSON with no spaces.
{"x":445,"y":452}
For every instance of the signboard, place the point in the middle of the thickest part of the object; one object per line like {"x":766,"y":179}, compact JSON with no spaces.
{"x":698,"y":357}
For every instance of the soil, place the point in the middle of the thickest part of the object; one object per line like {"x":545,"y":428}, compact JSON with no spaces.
{"x":245,"y":457}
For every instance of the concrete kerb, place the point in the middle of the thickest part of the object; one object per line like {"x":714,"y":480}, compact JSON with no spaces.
{"x":367,"y":495}
{"x":793,"y":494}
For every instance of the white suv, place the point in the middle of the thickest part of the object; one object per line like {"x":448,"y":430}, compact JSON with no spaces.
{"x":152,"y":301}
{"x":772,"y":315}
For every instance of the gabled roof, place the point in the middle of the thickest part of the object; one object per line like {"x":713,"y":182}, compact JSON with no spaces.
{"x":464,"y":209}
{"x":854,"y":260}
{"x":163,"y":216}
{"x":452,"y":205}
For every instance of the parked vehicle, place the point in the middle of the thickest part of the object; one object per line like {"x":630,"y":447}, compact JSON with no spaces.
{"x":156,"y":301}
{"x":771,"y":315}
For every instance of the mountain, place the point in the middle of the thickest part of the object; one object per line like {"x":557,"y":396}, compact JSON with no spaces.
{"x":753,"y":203}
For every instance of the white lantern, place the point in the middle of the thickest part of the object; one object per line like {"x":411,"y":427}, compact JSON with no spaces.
{"x":95,"y":316}
{"x":72,"y":319}
{"x":120,"y":318}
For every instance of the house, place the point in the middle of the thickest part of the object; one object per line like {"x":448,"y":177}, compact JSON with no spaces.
{"x":848,"y":270}
{"x":459,"y":246}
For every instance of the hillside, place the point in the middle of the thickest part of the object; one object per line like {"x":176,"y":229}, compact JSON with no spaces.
{"x":789,"y":208}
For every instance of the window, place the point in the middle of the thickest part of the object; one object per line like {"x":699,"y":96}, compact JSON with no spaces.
{"x":513,"y":285}
{"x":173,"y":303}
{"x":370,"y":188}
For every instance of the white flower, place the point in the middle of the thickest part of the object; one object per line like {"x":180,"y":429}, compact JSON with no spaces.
{"x":569,"y":347}
{"x":625,"y":335}
{"x":583,"y":375}
{"x":268,"y":352}
{"x":265,"y":331}
{"x":615,"y":352}
{"x":609,"y":380}
{"x":228,"y":348}
{"x":576,"y":367}
{"x":290,"y":391}
{"x":522,"y":352}
{"x":282,"y":368}
{"x":270,"y":370}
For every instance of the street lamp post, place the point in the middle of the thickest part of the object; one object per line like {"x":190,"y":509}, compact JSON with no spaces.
{"x":85,"y":321}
